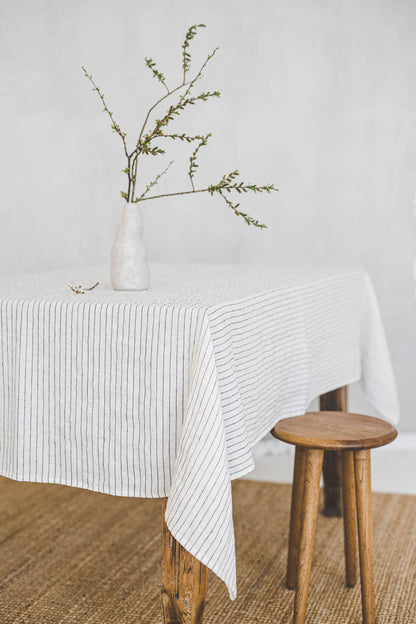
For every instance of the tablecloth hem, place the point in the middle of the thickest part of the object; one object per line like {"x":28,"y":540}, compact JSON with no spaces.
{"x":100,"y":490}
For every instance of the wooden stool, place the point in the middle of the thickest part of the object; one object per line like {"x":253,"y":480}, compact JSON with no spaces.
{"x":353,"y":435}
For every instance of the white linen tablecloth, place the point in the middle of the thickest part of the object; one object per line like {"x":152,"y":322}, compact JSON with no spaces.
{"x":165,"y":392}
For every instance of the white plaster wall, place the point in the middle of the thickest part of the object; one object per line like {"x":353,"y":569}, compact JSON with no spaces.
{"x":318,"y":96}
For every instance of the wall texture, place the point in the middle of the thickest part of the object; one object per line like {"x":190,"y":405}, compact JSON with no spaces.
{"x":318,"y":96}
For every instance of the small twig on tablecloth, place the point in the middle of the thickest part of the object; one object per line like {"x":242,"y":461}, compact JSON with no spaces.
{"x":81,"y":290}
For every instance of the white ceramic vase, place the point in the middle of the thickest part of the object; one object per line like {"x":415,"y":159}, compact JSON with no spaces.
{"x":129,"y":267}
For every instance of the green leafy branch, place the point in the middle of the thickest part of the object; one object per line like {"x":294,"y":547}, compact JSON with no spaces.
{"x":145,"y":147}
{"x":226,"y":184}
{"x":183,"y":101}
{"x":182,"y":137}
{"x":186,"y":57}
{"x":115,"y":127}
{"x":153,"y":183}
{"x":193,"y":166}
{"x":173,"y":111}
{"x":156,"y":74}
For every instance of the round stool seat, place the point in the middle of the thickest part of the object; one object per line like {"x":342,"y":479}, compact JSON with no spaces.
{"x":335,"y":431}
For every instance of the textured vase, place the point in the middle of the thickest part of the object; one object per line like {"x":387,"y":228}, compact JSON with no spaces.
{"x":129,"y":267}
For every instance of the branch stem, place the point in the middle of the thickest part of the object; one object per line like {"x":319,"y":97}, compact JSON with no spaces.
{"x":153,"y":107}
{"x":115,"y":126}
{"x":172,"y":194}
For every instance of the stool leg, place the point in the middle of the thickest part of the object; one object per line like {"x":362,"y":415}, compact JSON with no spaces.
{"x":350,"y":517}
{"x":313,"y":469}
{"x":295,"y":517}
{"x":362,"y":466}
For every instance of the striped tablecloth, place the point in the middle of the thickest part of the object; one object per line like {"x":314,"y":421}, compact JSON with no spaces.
{"x":165,"y":392}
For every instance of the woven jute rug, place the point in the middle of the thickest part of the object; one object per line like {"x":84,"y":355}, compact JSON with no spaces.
{"x":70,"y":555}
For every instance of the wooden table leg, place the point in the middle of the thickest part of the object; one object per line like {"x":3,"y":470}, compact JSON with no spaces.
{"x":184,"y":581}
{"x":335,"y":401}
